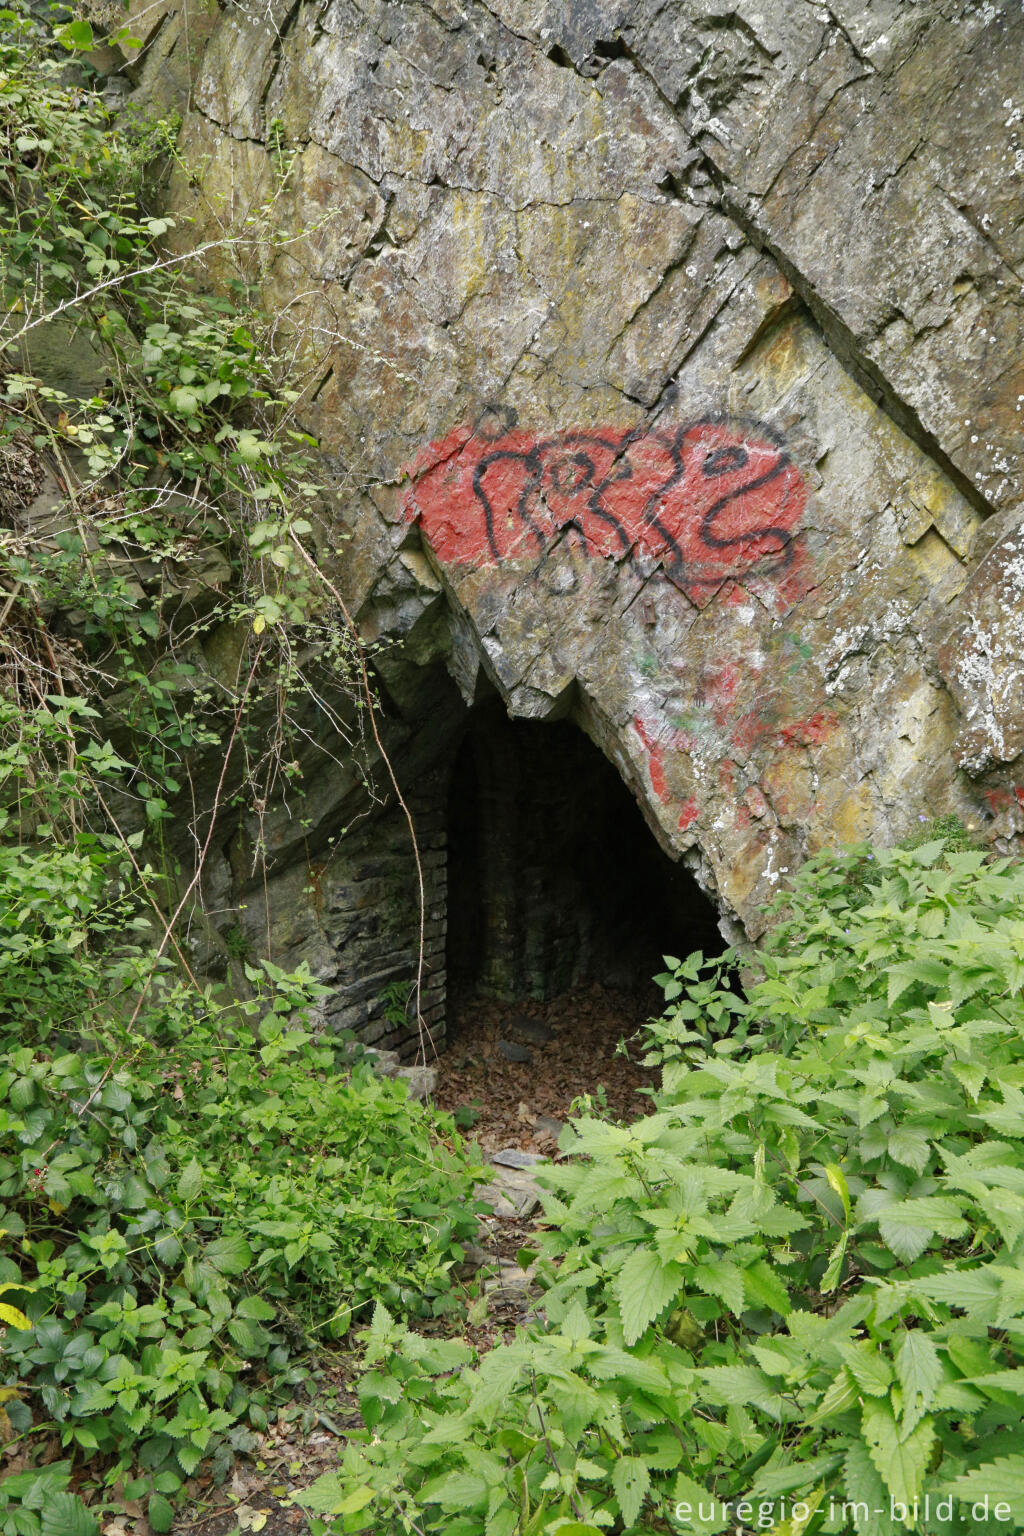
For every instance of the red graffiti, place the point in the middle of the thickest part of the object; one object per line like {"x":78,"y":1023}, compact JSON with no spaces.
{"x":752,"y":729}
{"x":809,"y":732}
{"x":708,"y":499}
{"x":655,"y":760}
{"x":1005,"y":799}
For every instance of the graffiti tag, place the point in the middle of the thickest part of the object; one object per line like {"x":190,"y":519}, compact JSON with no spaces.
{"x":707,"y":500}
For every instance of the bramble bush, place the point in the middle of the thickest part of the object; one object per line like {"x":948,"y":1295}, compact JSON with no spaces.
{"x":790,"y":1297}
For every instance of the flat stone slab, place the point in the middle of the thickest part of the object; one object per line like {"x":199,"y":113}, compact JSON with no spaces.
{"x":513,"y":1052}
{"x":529,"y":1031}
{"x":513,"y":1194}
{"x":512,"y":1157}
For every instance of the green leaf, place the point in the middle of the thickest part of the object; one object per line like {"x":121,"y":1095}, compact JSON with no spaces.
{"x":868,"y":1367}
{"x":901,"y":1462}
{"x":920,"y":1371}
{"x":64,"y":1514}
{"x":644,"y":1287}
{"x":910,"y":1147}
{"x":697,"y":1499}
{"x":189,"y":1456}
{"x":256,"y":1308}
{"x":76,"y":35}
{"x":796,"y":1525}
{"x":722,"y":1279}
{"x":834,"y":1268}
{"x":245,"y":1337}
{"x":326,"y":1495}
{"x":865,"y":1493}
{"x":160,"y":1512}
{"x":631,"y":1480}
{"x":229,"y":1255}
{"x":765,"y":1289}
{"x":841,"y":1394}
{"x":455,"y":1490}
{"x":1002,"y":1481}
{"x":190,"y":1182}
{"x":837,"y":1181}
{"x":736,"y":1384}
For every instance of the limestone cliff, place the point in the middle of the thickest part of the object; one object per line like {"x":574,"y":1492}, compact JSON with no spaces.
{"x":667,"y":360}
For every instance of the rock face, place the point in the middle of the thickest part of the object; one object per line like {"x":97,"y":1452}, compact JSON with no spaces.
{"x":667,"y":360}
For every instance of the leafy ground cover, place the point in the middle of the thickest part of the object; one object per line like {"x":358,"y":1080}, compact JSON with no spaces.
{"x":790,"y":1298}
{"x":190,"y":1206}
{"x":520,"y":1103}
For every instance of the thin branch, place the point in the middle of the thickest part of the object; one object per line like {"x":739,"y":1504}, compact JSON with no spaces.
{"x":423,"y":1031}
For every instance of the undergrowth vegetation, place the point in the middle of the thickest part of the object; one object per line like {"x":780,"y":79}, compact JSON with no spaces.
{"x":188,"y":1209}
{"x":196,"y":1187}
{"x":791,"y":1297}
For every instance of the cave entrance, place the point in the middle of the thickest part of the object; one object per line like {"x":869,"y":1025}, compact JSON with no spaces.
{"x":561,"y":904}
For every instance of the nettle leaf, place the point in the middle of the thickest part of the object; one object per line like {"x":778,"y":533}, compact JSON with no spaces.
{"x":834,"y":1268}
{"x":1001,"y":1482}
{"x":837,"y":1181}
{"x":909,"y":1147}
{"x":631,"y":1479}
{"x":970,"y":1075}
{"x":920,"y":1372}
{"x":644,"y":1286}
{"x":229,"y":1255}
{"x":841,"y":1394}
{"x":255,"y":1308}
{"x":908,"y":1226}
{"x":64,"y":1514}
{"x":971,"y":1290}
{"x":865,"y":1491}
{"x":764,"y":1288}
{"x":190,"y":1182}
{"x":736,"y":1384}
{"x":722,"y":1279}
{"x":900,"y":1459}
{"x":1007,"y":1118}
{"x":455,"y":1490}
{"x":698,"y":1502}
{"x":868,"y":1367}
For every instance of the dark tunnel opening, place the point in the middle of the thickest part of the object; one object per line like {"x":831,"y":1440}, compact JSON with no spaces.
{"x":554,"y":878}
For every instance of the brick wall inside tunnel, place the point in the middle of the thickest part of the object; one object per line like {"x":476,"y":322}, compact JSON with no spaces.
{"x":554,"y":878}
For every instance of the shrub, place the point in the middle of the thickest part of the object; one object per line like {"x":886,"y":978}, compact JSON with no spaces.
{"x":193,"y":1212}
{"x":795,"y":1289}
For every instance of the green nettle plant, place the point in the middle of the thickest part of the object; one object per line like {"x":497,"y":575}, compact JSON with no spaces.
{"x":792,"y":1297}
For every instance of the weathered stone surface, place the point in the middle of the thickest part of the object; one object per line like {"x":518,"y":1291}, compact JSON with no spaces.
{"x":529,"y":1031}
{"x":513,"y":1052}
{"x":422,"y":1081}
{"x":512,"y":1157}
{"x":668,"y":364}
{"x":983,"y":661}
